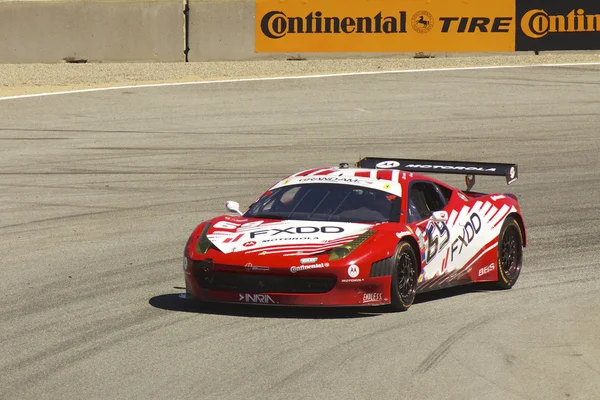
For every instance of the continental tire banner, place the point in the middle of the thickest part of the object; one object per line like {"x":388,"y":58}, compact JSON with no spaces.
{"x":385,"y":25}
{"x":558,"y":25}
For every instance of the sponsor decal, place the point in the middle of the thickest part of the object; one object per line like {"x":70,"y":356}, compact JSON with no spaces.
{"x":476,"y":24}
{"x":297,"y":253}
{"x":538,"y":23}
{"x":421,"y":276}
{"x":233,"y":225}
{"x":372,"y":297}
{"x":422,"y":22}
{"x":384,"y":26}
{"x":308,"y":260}
{"x":303,"y":238}
{"x":249,"y":267}
{"x":450,"y":167}
{"x":334,"y":179}
{"x":297,"y":230}
{"x":258,"y":298}
{"x":299,"y":268}
{"x":557,"y":25}
{"x":472,"y":235}
{"x":276,"y":24}
{"x":486,"y":269}
{"x":462,"y":196}
{"x":387,"y":164}
{"x":353,"y":271}
{"x":284,"y":233}
{"x":400,"y":235}
{"x":438,"y":238}
{"x":421,"y":238}
{"x":231,"y":239}
{"x":470,"y":230}
{"x":354,"y":280}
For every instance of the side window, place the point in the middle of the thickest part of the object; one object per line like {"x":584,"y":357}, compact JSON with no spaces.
{"x":423,"y":199}
{"x":446,"y":193}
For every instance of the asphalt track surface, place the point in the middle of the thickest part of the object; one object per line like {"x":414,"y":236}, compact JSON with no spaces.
{"x":99,"y":192}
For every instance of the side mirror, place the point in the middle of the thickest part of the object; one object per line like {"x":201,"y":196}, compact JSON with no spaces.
{"x":233,"y":206}
{"x":439,"y":216}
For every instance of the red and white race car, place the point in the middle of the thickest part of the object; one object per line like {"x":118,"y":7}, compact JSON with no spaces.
{"x":377,"y":233}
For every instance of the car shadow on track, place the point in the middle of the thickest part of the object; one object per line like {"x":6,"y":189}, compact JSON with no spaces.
{"x":174,"y":302}
{"x":454,"y":291}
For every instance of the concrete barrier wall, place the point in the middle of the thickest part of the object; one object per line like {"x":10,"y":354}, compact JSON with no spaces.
{"x":223,"y":30}
{"x":38,"y":31}
{"x":113,"y":30}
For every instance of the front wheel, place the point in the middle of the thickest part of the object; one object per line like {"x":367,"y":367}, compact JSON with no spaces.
{"x":510,"y":253}
{"x":404,"y":277}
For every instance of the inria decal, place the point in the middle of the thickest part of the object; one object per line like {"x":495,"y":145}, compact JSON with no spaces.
{"x":256,"y":298}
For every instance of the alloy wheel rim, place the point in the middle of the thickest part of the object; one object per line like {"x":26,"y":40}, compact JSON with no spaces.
{"x":509,"y":257}
{"x":406,"y":277}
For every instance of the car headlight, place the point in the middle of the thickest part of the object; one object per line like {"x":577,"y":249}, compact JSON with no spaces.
{"x":203,"y":243}
{"x":340,"y":252}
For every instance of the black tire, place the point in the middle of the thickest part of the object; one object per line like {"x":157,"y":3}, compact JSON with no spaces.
{"x":510,"y":253}
{"x":404,"y":277}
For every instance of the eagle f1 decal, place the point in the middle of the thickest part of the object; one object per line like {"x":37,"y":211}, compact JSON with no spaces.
{"x":449,"y":246}
{"x":310,"y":237}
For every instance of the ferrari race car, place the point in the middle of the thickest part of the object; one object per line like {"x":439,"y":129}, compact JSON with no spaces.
{"x":377,"y":233}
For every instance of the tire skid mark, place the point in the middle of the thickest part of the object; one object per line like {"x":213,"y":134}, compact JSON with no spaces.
{"x":86,"y":344}
{"x":437,"y":355}
{"x":95,"y":184}
{"x":114,"y":281}
{"x":326,"y":356}
{"x":45,"y":204}
{"x":502,"y":387}
{"x":201,"y":172}
{"x":31,"y":138}
{"x":141,"y":132}
{"x":118,"y":210}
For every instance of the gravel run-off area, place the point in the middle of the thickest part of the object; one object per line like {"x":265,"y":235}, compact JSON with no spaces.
{"x":20,"y":79}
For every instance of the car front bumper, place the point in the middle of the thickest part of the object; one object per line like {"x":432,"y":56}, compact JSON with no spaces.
{"x":333,"y":288}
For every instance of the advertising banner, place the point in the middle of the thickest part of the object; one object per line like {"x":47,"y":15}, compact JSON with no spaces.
{"x":385,"y":26}
{"x":558,"y":25}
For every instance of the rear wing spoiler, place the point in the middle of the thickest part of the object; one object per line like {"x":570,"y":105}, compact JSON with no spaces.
{"x":468,"y":168}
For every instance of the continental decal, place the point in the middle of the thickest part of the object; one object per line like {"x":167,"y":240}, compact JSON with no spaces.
{"x":384,"y":26}
{"x":538,"y":23}
{"x":557,"y":25}
{"x":276,"y":24}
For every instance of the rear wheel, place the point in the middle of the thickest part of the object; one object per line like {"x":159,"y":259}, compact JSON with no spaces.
{"x":510,"y":253}
{"x":404,"y":277}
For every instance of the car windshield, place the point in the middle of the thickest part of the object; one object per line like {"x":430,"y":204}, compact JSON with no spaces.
{"x":327,"y":202}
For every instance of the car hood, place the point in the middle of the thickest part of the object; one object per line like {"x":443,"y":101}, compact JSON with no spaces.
{"x":232,"y":234}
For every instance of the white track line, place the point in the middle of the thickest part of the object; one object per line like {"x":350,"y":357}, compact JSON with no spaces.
{"x":274,"y":78}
